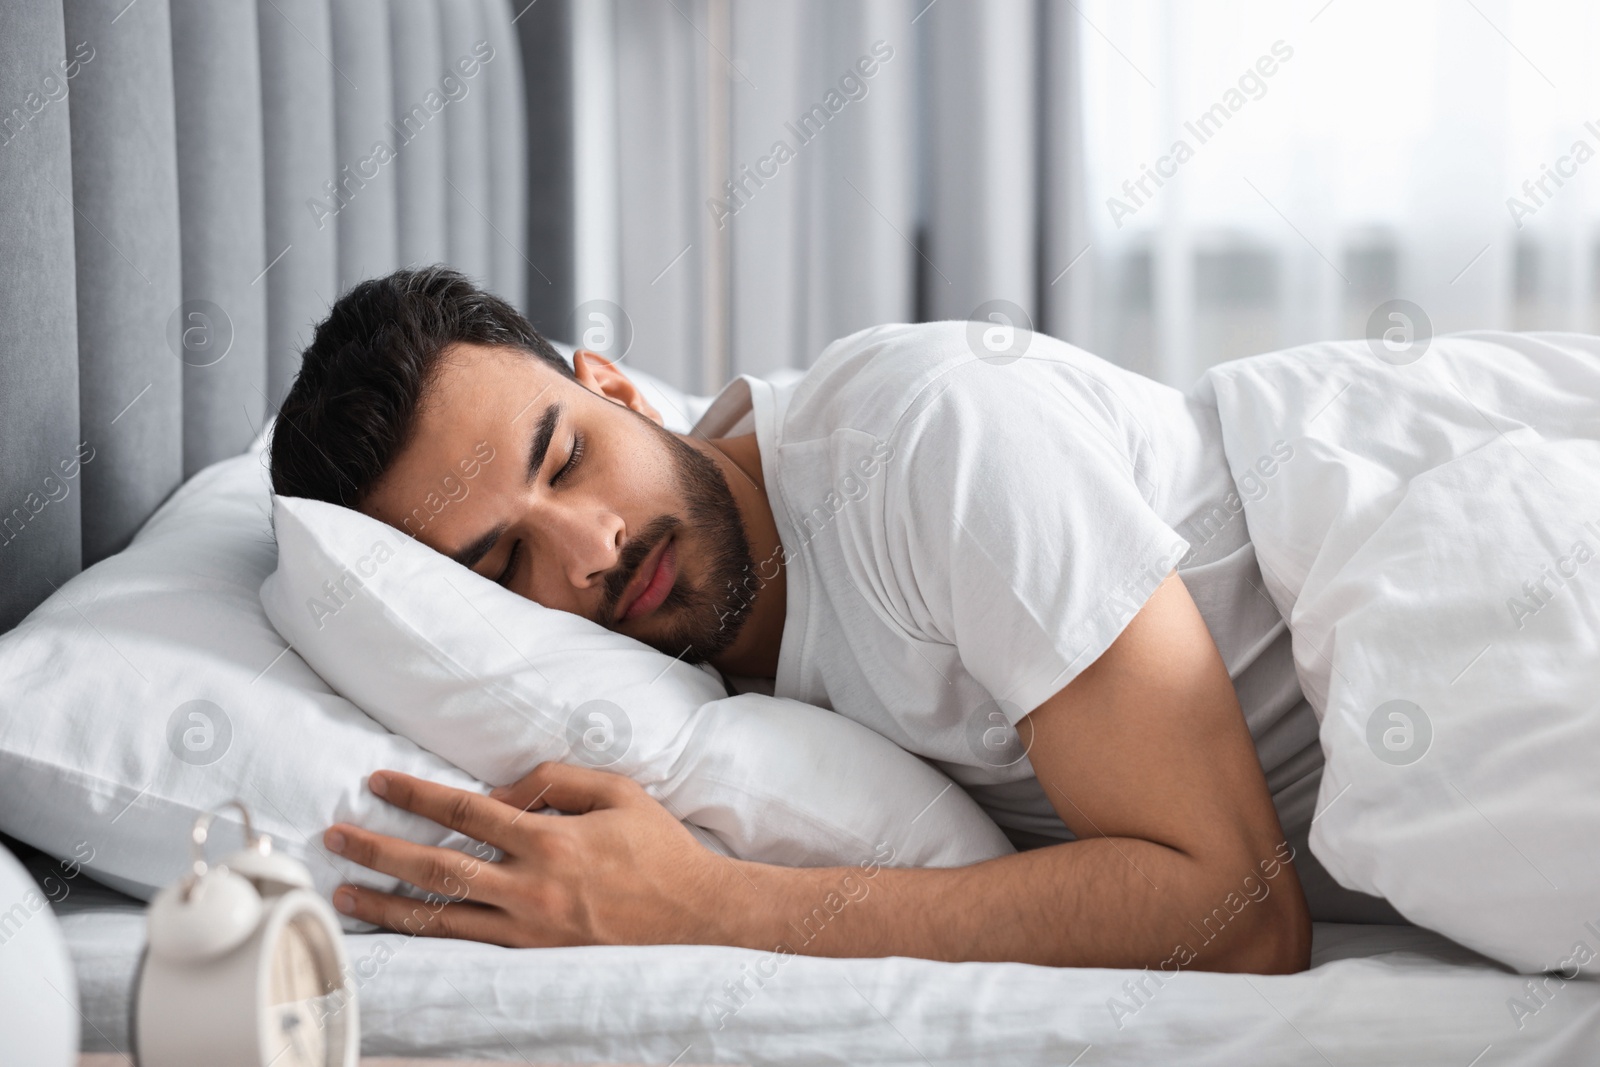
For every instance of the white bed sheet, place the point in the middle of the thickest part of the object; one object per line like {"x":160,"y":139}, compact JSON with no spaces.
{"x":1375,"y":995}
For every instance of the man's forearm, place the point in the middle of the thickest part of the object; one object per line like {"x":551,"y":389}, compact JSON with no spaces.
{"x":1102,"y":902}
{"x":626,"y":871}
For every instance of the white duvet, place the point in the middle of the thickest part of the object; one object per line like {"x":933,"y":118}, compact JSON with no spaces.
{"x":1434,"y":542}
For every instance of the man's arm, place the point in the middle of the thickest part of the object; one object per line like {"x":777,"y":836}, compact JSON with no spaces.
{"x":1180,"y":864}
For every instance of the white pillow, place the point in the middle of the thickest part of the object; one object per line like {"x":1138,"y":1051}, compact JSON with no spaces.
{"x":151,"y":688}
{"x":1421,"y":502}
{"x":496,"y":683}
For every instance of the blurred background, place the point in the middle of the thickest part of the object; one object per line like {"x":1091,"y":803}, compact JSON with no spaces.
{"x":1168,"y":183}
{"x":702,"y":188}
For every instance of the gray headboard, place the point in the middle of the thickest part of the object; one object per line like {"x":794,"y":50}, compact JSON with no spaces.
{"x":187,"y":185}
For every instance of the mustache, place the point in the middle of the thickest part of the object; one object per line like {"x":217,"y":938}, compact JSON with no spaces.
{"x":634,"y":554}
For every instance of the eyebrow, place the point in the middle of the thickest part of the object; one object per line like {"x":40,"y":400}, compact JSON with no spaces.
{"x":542,"y":437}
{"x":538,"y":449}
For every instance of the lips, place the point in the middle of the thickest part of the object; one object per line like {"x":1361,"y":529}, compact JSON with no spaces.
{"x":653,"y":582}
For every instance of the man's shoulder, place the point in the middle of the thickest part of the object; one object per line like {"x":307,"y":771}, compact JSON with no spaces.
{"x":867,"y":381}
{"x":878,"y":379}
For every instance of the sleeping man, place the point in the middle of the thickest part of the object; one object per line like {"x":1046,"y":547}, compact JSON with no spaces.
{"x":1024,"y":565}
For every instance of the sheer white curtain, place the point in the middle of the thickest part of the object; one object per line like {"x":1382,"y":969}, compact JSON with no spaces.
{"x":1168,"y":183}
{"x":1322,"y":158}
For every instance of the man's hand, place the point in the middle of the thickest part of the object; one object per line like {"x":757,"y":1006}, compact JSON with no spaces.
{"x":1180,"y":862}
{"x":620,"y":870}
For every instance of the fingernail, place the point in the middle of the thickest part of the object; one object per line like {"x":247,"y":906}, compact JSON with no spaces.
{"x":334,"y":841}
{"x":378,"y":784}
{"x":344,"y":900}
{"x":499,"y":792}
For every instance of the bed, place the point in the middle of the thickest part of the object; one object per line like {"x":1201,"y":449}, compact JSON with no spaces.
{"x":1374,"y":995}
{"x":87,"y":361}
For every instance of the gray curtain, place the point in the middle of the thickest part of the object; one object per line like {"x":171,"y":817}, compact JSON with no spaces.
{"x":826,"y":245}
{"x":981,"y":208}
{"x":661,"y":69}
{"x":189,"y":184}
{"x":945,"y":177}
{"x":809,"y":242}
{"x":545,"y":29}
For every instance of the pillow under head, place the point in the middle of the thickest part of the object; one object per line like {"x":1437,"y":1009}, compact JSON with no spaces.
{"x":496,"y":684}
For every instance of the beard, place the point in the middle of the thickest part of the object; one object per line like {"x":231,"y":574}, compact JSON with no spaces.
{"x":702,"y":620}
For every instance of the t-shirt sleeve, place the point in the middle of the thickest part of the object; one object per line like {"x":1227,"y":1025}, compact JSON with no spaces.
{"x":1018,"y":528}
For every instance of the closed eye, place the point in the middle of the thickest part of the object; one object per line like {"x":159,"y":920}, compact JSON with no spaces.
{"x":566,"y":468}
{"x":511,"y":564}
{"x":572,"y":460}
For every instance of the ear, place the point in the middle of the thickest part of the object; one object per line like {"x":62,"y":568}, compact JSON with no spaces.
{"x":599,"y":375}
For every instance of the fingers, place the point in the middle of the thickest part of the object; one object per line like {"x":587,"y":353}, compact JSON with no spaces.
{"x":469,"y":813}
{"x":567,"y":787}
{"x":422,"y":918}
{"x":437,"y":870}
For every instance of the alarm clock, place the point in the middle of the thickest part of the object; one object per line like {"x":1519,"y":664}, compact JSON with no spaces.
{"x":244,"y":966}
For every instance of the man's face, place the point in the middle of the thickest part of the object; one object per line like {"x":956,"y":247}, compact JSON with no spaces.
{"x":573,"y":495}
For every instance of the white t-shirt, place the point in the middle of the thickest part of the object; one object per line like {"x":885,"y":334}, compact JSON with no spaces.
{"x":963,"y":536}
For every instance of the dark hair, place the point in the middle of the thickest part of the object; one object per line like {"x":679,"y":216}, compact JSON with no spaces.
{"x":352,"y":407}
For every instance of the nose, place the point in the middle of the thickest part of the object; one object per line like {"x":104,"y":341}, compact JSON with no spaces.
{"x":592,"y":548}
